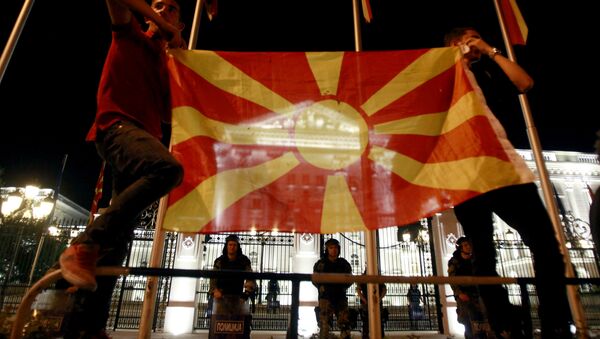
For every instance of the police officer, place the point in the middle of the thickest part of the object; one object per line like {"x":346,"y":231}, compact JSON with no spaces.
{"x":332,"y":297}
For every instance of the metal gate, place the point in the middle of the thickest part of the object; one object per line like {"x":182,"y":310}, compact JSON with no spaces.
{"x":128,"y":295}
{"x":27,"y":251}
{"x":405,"y":251}
{"x":268,"y":252}
{"x":515,"y":260}
{"x":398,"y":254}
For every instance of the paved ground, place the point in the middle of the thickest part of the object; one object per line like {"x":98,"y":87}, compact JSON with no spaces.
{"x":273,"y":335}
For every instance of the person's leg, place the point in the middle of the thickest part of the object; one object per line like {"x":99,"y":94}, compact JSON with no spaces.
{"x":475,"y":216}
{"x":146,"y":171}
{"x":521,"y":207}
{"x":364,"y":318}
{"x":384,"y":317}
{"x":412,"y":315}
{"x":463,"y":317}
{"x":91,"y":313}
{"x":325,"y":312}
{"x":343,"y":319}
{"x":143,"y":171}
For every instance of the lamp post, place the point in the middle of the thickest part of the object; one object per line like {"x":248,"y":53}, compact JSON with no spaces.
{"x":26,"y":204}
{"x":22,"y":207}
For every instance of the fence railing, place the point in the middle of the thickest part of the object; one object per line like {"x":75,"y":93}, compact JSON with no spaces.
{"x":294,"y":278}
{"x":26,"y":255}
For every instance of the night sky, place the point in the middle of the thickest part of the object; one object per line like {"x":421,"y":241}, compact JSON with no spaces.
{"x":47,"y":95}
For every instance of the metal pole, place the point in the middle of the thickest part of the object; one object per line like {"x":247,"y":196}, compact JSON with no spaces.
{"x":14,"y":37}
{"x":38,"y":251}
{"x":196,"y":25}
{"x":159,"y":236}
{"x":572,"y":294}
{"x":357,"y":35}
{"x":59,"y":183}
{"x":48,"y":219}
{"x":293,"y":329}
{"x":158,"y":245}
{"x":373,"y":293}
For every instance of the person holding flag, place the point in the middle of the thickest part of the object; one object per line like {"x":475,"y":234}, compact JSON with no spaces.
{"x":133,"y":102}
{"x":519,"y":205}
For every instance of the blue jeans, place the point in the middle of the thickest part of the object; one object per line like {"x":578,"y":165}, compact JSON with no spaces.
{"x":143,"y":171}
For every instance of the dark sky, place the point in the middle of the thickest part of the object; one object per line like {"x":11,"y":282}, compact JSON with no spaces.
{"x":47,"y":95}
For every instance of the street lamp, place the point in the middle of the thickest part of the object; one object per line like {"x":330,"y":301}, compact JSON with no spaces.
{"x":21,"y":207}
{"x":27,"y":204}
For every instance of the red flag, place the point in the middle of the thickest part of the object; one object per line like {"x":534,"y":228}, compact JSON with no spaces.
{"x":326,"y":142}
{"x":211,"y":8}
{"x":97,"y":194}
{"x":515,"y":24}
{"x":366,"y":9}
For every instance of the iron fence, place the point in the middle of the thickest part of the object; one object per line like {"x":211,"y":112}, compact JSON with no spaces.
{"x":28,"y":251}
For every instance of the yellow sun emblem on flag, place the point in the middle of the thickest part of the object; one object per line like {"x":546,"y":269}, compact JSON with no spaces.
{"x":256,"y":132}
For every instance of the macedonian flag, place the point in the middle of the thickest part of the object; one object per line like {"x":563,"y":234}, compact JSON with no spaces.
{"x":326,"y":142}
{"x":515,"y":24}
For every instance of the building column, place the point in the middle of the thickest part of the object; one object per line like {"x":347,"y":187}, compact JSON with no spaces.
{"x":307,"y":254}
{"x":439,"y":243}
{"x":180,"y":315}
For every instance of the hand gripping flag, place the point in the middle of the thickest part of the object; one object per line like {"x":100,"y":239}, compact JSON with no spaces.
{"x":326,"y":142}
{"x":212,"y":8}
{"x":366,"y":9}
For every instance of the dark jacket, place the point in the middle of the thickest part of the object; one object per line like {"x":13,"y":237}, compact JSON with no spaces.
{"x":232,"y":286}
{"x":332,"y":292}
{"x":459,"y":266}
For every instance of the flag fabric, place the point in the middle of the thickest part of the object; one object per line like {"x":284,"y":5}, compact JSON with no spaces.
{"x":326,"y":142}
{"x":515,"y":24}
{"x":212,"y":8}
{"x":366,"y":9}
{"x":97,"y":194}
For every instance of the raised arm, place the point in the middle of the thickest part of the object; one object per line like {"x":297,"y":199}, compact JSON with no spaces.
{"x":517,"y":75}
{"x":120,"y":13}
